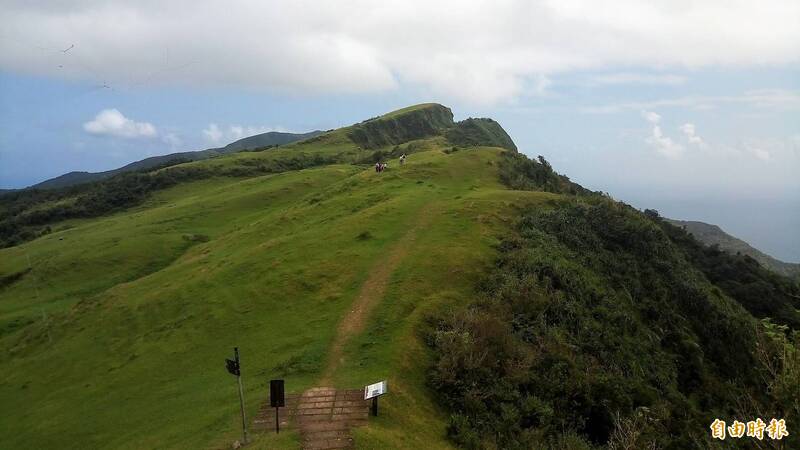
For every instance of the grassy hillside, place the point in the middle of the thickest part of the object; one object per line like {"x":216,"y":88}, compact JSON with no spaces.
{"x":120,"y":300}
{"x":114,"y":329}
{"x":27,"y":214}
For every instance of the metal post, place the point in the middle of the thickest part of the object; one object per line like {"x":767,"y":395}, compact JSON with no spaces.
{"x":277,"y":423}
{"x":374,"y":406}
{"x":241,"y":394}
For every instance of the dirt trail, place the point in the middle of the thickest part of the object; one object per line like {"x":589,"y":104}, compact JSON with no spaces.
{"x":372,"y":291}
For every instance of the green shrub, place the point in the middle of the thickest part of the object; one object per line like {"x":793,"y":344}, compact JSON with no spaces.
{"x":364,"y":236}
{"x":519,"y":172}
{"x":480,"y":132}
{"x":592,"y":322}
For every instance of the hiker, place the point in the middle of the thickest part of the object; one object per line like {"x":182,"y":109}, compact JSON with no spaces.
{"x":402,"y":159}
{"x":377,"y":167}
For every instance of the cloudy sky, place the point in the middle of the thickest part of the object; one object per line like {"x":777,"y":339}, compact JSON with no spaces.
{"x":689,"y":107}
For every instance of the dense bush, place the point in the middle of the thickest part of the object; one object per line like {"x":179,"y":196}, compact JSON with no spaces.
{"x":480,"y":132}
{"x":519,"y":172}
{"x":762,"y":292}
{"x":594,"y":328}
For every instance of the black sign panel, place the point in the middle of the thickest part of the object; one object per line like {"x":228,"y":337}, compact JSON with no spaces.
{"x":232,"y":366}
{"x":276,"y":395}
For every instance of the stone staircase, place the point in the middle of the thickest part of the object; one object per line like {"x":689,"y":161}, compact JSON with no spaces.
{"x":324,"y":416}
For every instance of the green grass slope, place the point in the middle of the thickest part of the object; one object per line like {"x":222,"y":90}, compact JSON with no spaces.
{"x":113,"y":329}
{"x":27,"y":214}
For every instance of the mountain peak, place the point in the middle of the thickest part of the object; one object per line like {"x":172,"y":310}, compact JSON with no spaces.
{"x":428,"y":120}
{"x":433,"y":108}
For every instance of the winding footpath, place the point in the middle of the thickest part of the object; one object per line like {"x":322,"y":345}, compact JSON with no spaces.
{"x":324,"y":415}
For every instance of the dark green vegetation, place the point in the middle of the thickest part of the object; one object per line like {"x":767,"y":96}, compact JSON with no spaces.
{"x":764,"y":293}
{"x":263,"y":140}
{"x":594,"y":325}
{"x":713,"y":235}
{"x":600,"y":325}
{"x":471,"y":132}
{"x":518,"y":172}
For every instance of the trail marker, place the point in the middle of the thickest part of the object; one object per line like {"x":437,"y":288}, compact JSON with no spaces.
{"x":373,"y":391}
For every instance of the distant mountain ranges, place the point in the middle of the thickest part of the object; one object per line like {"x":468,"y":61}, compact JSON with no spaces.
{"x":713,"y":235}
{"x":272,"y":138}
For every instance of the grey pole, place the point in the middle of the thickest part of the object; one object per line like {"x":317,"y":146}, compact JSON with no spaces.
{"x":241,"y":395}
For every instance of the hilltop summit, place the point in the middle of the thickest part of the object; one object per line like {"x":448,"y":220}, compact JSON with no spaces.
{"x":428,"y":120}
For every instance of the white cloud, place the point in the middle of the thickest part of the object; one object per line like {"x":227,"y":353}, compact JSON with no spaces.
{"x":216,"y":135}
{"x":662,"y":144}
{"x":762,"y":149}
{"x":691,"y":134}
{"x":773,"y":99}
{"x":236,"y":131}
{"x":172,"y":140}
{"x":480,"y":51}
{"x":213,"y":133}
{"x":651,"y":117}
{"x":770,"y":149}
{"x":760,"y":153}
{"x":794,"y":144}
{"x":665,"y":145}
{"x":111,"y":122}
{"x":541,"y":85}
{"x":638,"y":78}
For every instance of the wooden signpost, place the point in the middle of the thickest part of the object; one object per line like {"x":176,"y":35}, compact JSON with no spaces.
{"x":373,"y":391}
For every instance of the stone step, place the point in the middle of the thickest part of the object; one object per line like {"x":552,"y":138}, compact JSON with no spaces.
{"x":303,"y":421}
{"x":329,"y":434}
{"x":313,"y":427}
{"x":328,"y":444}
{"x":320,"y":404}
{"x":323,"y":415}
